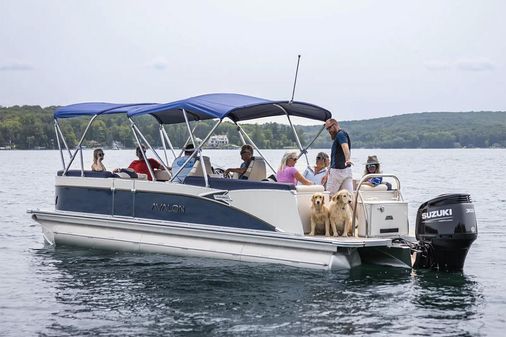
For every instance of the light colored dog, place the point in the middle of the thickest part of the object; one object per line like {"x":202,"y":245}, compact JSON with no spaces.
{"x":341,"y":213}
{"x":319,"y":214}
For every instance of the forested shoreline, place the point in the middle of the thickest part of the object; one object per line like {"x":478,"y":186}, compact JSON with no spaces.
{"x":32,"y":127}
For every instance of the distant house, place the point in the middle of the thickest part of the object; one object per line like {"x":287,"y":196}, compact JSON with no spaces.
{"x":117,"y":145}
{"x":218,"y":141}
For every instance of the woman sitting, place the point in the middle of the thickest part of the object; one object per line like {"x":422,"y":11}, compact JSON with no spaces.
{"x":98,"y":156}
{"x":372,"y":166}
{"x":287,"y":173}
{"x":316,"y":173}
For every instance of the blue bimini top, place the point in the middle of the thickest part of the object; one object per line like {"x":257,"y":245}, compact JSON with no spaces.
{"x":212,"y":106}
{"x":234,"y":106}
{"x":96,"y":108}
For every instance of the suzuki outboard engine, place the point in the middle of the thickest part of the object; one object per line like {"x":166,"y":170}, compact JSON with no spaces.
{"x":445,"y":229}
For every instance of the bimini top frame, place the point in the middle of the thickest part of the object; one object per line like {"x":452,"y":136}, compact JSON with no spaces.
{"x":234,"y":107}
{"x":212,"y":106}
{"x":92,"y":110}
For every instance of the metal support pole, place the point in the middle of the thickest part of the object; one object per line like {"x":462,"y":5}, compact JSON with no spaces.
{"x":302,"y":150}
{"x":168,"y":141}
{"x":136,"y":129}
{"x":59,"y":144}
{"x":82,"y":160}
{"x":240,"y":134}
{"x":79,"y":146}
{"x":256,"y":148}
{"x":139,"y":144}
{"x":163,"y":144}
{"x":63,"y":138}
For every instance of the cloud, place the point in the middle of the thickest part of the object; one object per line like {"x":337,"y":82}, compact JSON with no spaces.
{"x":435,"y":65}
{"x":159,"y":63}
{"x":475,"y":65}
{"x":15,"y":66}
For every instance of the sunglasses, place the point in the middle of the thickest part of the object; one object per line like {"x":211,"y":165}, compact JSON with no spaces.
{"x":370,"y":166}
{"x":319,"y":158}
{"x":100,"y":154}
{"x":330,"y":127}
{"x":295,"y":159}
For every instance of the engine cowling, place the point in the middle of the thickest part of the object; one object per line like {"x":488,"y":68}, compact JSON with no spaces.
{"x":445,"y":229}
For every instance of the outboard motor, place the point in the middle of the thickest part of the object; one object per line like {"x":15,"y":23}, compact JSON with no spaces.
{"x":445,"y":229}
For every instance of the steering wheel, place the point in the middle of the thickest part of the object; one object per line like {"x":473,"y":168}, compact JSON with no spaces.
{"x":221,"y":172}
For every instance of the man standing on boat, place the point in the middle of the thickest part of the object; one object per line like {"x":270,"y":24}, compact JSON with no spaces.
{"x":339,"y":176}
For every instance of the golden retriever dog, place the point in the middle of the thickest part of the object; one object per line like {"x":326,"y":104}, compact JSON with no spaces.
{"x":341,"y":213}
{"x":319,"y":214}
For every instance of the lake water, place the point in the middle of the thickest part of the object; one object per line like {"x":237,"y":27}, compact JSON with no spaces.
{"x":78,"y":292}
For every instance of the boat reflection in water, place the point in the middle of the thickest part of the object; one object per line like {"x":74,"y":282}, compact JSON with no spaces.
{"x":123,"y":292}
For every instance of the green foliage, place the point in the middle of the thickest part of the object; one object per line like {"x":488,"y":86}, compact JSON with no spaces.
{"x":28,"y":127}
{"x":424,"y":130}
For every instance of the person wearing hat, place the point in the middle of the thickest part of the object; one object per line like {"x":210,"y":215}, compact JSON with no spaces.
{"x":179,"y":162}
{"x":372,"y":166}
{"x":316,"y":173}
{"x":339,"y":176}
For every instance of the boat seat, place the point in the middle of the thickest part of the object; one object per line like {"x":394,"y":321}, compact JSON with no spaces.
{"x":162,"y":175}
{"x":88,"y":174}
{"x":304,"y":196}
{"x":197,"y":167}
{"x":310,"y":188}
{"x":256,"y":170}
{"x":374,"y":194}
{"x":237,"y":184}
{"x":123,"y":175}
{"x":380,"y":187}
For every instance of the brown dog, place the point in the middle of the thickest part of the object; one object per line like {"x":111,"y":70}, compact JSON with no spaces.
{"x":340,"y":213}
{"x":319,"y":214}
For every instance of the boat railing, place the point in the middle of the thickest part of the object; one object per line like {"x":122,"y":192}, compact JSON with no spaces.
{"x":396,"y":194}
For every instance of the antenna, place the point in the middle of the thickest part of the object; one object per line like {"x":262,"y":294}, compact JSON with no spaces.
{"x":295,"y":80}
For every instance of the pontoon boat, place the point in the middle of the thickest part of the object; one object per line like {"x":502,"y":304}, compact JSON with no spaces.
{"x":256,"y":220}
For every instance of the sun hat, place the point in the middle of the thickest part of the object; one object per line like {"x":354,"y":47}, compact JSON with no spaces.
{"x":189,"y":148}
{"x":372,"y":160}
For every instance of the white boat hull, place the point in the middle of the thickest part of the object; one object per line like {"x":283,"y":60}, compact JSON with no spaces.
{"x":153,"y":236}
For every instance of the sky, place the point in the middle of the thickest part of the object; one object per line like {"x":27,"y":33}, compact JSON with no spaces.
{"x":359,"y":59}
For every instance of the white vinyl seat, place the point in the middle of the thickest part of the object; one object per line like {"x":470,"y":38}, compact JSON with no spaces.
{"x":197,"y":167}
{"x":256,"y":170}
{"x":380,"y":187}
{"x":162,"y":175}
{"x":122,"y":175}
{"x":142,"y":176}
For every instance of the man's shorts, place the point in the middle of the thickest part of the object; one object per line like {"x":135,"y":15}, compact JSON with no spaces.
{"x":340,"y":179}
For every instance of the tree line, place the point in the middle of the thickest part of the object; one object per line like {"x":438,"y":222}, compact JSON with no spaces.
{"x":29,"y":127}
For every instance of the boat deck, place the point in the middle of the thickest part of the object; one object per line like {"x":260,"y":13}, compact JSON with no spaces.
{"x":354,"y":241}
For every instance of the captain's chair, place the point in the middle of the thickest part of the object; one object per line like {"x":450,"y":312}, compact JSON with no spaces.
{"x":256,"y":170}
{"x":197,"y":168}
{"x":162,"y":175}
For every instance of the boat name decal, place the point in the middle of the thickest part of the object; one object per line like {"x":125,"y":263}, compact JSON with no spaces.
{"x":437,"y":214}
{"x":223,"y":197}
{"x":168,"y":208}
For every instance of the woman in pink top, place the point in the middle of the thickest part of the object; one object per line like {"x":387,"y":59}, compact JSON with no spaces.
{"x":287,"y":173}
